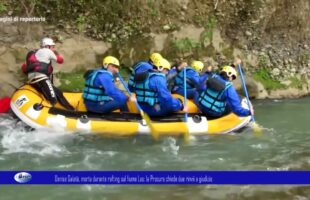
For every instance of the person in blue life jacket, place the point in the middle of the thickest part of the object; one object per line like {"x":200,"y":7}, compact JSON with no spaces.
{"x":173,"y":72}
{"x":192,"y":79}
{"x":219,"y":96}
{"x":100,"y":93}
{"x":152,"y":92}
{"x":207,"y":72}
{"x":142,"y":66}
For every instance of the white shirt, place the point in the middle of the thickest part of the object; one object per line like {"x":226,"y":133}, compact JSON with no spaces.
{"x":45,"y":55}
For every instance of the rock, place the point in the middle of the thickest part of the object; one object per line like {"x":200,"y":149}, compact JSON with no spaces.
{"x":286,"y":82}
{"x":293,"y":70}
{"x":255,"y":21}
{"x":248,"y":33}
{"x":2,"y":49}
{"x":275,"y":72}
{"x":166,"y":27}
{"x":184,"y":7}
{"x":287,"y":93}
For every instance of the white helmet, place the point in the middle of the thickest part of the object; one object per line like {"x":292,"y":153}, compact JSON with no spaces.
{"x":47,"y":42}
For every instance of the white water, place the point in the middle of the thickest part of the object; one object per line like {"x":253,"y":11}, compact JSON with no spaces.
{"x":284,"y":145}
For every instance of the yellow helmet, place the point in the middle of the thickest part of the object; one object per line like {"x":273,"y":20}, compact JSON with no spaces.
{"x":197,"y":65}
{"x":165,"y":64}
{"x":110,"y":60}
{"x":155,"y":57}
{"x":162,"y":64}
{"x":230,"y":71}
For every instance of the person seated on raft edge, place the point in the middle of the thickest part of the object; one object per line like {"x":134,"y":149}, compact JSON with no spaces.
{"x":100,"y":93}
{"x":192,"y":78}
{"x":219,"y":97}
{"x":38,"y":67}
{"x":152,"y":92}
{"x":142,"y":66}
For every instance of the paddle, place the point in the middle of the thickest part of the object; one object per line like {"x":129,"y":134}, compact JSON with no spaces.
{"x":146,"y":118}
{"x":186,"y":133}
{"x":256,"y":128}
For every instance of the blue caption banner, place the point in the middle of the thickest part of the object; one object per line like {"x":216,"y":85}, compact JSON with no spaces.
{"x":155,"y":177}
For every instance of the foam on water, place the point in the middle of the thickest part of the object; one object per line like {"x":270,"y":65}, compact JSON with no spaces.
{"x":170,"y":145}
{"x":16,"y":138}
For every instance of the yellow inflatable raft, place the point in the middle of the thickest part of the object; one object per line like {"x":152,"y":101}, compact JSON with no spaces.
{"x":31,"y":107}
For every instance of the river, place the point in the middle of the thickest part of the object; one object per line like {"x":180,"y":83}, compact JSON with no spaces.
{"x":284,"y":145}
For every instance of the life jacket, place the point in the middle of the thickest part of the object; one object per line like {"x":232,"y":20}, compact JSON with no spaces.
{"x":144,"y":93}
{"x":33,"y":65}
{"x":179,"y":79}
{"x":136,"y":66}
{"x":93,"y":92}
{"x":212,"y":97}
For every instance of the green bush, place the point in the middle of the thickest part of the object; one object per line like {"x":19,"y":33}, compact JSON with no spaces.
{"x":296,"y":82}
{"x":262,"y":75}
{"x":3,"y":8}
{"x":71,"y":82}
{"x":185,"y":45}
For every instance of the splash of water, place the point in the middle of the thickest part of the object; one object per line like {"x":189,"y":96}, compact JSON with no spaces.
{"x":15,"y":137}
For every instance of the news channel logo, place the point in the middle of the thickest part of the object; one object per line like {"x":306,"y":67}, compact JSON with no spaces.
{"x":22,"y":177}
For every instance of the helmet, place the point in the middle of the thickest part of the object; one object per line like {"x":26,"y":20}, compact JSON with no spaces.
{"x":165,"y":64}
{"x":197,"y":65}
{"x":230,"y":71}
{"x":110,"y":60}
{"x":155,"y":57}
{"x":47,"y":42}
{"x":162,"y":64}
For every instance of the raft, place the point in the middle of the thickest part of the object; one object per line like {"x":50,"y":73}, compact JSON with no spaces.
{"x":31,"y":107}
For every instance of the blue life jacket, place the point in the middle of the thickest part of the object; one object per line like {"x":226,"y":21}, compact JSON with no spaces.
{"x":179,"y":79}
{"x":144,"y":93}
{"x":212,"y":97}
{"x":93,"y":92}
{"x":136,"y":66}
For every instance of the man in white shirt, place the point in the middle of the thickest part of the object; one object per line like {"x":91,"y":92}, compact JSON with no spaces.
{"x":39,"y":69}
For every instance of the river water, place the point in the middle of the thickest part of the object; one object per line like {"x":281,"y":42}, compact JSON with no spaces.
{"x":284,"y":145}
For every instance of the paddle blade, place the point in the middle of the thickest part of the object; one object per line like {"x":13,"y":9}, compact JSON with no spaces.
{"x":186,"y":136}
{"x":147,"y":119}
{"x":257,"y":130}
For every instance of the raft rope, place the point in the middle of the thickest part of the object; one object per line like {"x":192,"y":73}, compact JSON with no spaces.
{"x":37,"y":78}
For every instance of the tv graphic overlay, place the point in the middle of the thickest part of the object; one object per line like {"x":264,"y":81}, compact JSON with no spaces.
{"x":156,"y":177}
{"x":22,"y":177}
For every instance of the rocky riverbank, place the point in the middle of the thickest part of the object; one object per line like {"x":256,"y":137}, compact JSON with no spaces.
{"x":271,"y":37}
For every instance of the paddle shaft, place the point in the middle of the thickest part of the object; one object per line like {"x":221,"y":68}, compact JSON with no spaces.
{"x":128,"y":91}
{"x":146,"y":118}
{"x":185,"y":94}
{"x":245,"y":89}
